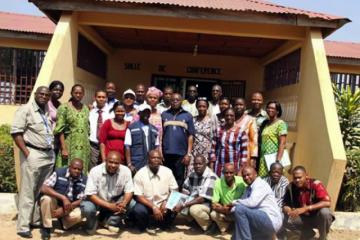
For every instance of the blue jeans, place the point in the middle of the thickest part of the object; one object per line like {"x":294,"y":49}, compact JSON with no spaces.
{"x":251,"y":224}
{"x":89,"y":209}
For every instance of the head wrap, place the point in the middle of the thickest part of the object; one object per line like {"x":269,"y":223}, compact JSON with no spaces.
{"x":155,"y":91}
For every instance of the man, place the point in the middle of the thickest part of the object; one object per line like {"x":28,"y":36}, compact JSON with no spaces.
{"x":128,"y":100}
{"x":32,"y":133}
{"x":257,"y":216}
{"x":63,"y":192}
{"x":256,"y":110}
{"x":153,"y":184}
{"x":306,"y":206}
{"x":110,"y":89}
{"x":216,"y":93}
{"x":189,"y":104}
{"x":177,"y":138}
{"x":140,"y":91}
{"x":277,"y":182}
{"x":199,"y":185}
{"x":109,"y":190}
{"x":97,"y":117}
{"x":166,"y":98}
{"x":227,"y":189}
{"x":141,"y":137}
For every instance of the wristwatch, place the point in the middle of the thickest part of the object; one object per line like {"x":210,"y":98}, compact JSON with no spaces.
{"x":189,"y":154}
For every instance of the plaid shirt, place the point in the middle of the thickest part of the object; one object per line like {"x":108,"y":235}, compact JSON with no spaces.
{"x":202,"y":186}
{"x":229,"y":146}
{"x":51,"y":181}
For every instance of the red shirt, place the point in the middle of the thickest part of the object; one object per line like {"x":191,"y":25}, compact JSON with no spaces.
{"x":113,"y":139}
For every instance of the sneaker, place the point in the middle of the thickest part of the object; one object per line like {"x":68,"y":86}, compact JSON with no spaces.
{"x":45,"y":233}
{"x":212,"y":230}
{"x":26,"y":234}
{"x":92,"y":231}
{"x":150,"y":230}
{"x":113,"y":229}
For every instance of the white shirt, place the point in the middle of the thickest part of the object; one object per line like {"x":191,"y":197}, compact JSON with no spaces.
{"x":213,"y":109}
{"x":93,"y":119}
{"x":109,"y":187}
{"x":155,"y":188}
{"x":145,"y":129}
{"x":262,"y":198}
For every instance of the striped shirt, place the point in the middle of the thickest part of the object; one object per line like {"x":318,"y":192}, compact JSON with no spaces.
{"x":279,"y":189}
{"x":229,"y":146}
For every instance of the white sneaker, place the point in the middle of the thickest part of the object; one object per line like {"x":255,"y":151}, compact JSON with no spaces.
{"x":151,"y":230}
{"x":113,"y":229}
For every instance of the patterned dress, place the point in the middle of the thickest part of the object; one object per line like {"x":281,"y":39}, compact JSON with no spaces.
{"x":248,"y":124}
{"x":202,"y":140}
{"x":270,"y":142}
{"x":75,"y":126}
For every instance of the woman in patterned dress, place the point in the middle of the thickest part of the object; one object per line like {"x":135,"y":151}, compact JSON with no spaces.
{"x":273,"y":135}
{"x":72,"y":129}
{"x":203,"y":133}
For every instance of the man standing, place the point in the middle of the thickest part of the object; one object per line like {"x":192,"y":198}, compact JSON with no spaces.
{"x":166,"y":99}
{"x":256,"y":110}
{"x":189,"y":104}
{"x":141,"y":137}
{"x":32,"y":133}
{"x":140,"y":91}
{"x":277,"y":182}
{"x":227,"y":189}
{"x":199,"y":185}
{"x":177,"y":138}
{"x":216,"y":93}
{"x":306,"y":206}
{"x":110,"y":89}
{"x":153,"y":185}
{"x":257,"y":216}
{"x":109,"y":190}
{"x":63,"y":192}
{"x":97,"y":117}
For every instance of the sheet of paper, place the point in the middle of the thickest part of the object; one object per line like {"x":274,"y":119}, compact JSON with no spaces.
{"x":271,"y":158}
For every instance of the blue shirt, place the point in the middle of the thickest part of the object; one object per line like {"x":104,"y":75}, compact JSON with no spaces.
{"x":177,"y":128}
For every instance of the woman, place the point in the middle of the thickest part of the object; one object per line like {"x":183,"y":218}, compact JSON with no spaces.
{"x":229,"y":145}
{"x":273,"y":135}
{"x":203,"y":132}
{"x":128,"y":103}
{"x":219,"y":119}
{"x":247,"y":123}
{"x":112,"y":133}
{"x":72,"y":128}
{"x":56,"y":89}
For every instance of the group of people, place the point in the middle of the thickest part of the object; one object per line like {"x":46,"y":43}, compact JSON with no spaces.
{"x":116,"y":162}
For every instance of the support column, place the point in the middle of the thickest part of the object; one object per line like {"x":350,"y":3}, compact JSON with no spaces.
{"x":319,"y":144}
{"x":61,"y":58}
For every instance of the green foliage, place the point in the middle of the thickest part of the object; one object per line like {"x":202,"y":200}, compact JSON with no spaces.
{"x":350,"y":191}
{"x":7,"y":163}
{"x":348,"y":106}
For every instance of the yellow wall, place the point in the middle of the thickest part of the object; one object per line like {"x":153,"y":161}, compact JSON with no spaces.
{"x":343,"y":68}
{"x":233,"y":68}
{"x":24,"y":43}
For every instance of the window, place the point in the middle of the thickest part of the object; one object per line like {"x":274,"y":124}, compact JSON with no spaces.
{"x":283,"y":72}
{"x":344,"y":80}
{"x":18,"y":72}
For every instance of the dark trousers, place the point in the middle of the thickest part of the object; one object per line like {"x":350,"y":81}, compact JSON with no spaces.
{"x":174,"y":162}
{"x":142,"y":215}
{"x":94,"y":155}
{"x":301,"y":227}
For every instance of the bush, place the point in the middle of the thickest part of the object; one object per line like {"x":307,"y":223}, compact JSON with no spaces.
{"x":7,"y":163}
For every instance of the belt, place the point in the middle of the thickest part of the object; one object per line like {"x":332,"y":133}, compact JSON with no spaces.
{"x":38,"y":148}
{"x":94,"y":144}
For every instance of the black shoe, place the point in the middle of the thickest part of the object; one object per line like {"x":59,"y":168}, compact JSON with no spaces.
{"x":26,"y":234}
{"x":45,"y":233}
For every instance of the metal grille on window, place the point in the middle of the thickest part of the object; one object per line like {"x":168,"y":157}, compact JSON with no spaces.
{"x":344,"y":80}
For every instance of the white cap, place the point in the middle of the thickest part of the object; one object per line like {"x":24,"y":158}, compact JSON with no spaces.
{"x":143,"y":107}
{"x":129,"y":91}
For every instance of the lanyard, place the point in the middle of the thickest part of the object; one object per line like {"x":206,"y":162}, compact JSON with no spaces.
{"x":45,"y":122}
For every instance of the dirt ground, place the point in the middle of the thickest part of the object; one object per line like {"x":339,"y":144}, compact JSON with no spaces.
{"x":181,"y":231}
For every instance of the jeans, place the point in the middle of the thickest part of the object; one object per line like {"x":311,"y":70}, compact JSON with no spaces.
{"x":89,"y":209}
{"x":251,"y":224}
{"x":174,"y":162}
{"x":141,"y":214}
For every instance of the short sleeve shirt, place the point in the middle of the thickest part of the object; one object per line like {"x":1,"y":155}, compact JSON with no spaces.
{"x":177,"y":128}
{"x":109,"y":187}
{"x":34,"y":124}
{"x":154,"y":187}
{"x":224,"y":194}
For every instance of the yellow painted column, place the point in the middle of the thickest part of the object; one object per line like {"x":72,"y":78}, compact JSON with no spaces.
{"x":61,"y":58}
{"x":319,"y":144}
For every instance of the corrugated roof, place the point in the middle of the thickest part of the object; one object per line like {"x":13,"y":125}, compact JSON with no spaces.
{"x":259,"y":6}
{"x":26,"y":23}
{"x":342,"y":49}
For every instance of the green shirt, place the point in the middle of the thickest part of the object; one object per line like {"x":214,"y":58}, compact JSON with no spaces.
{"x":224,"y":194}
